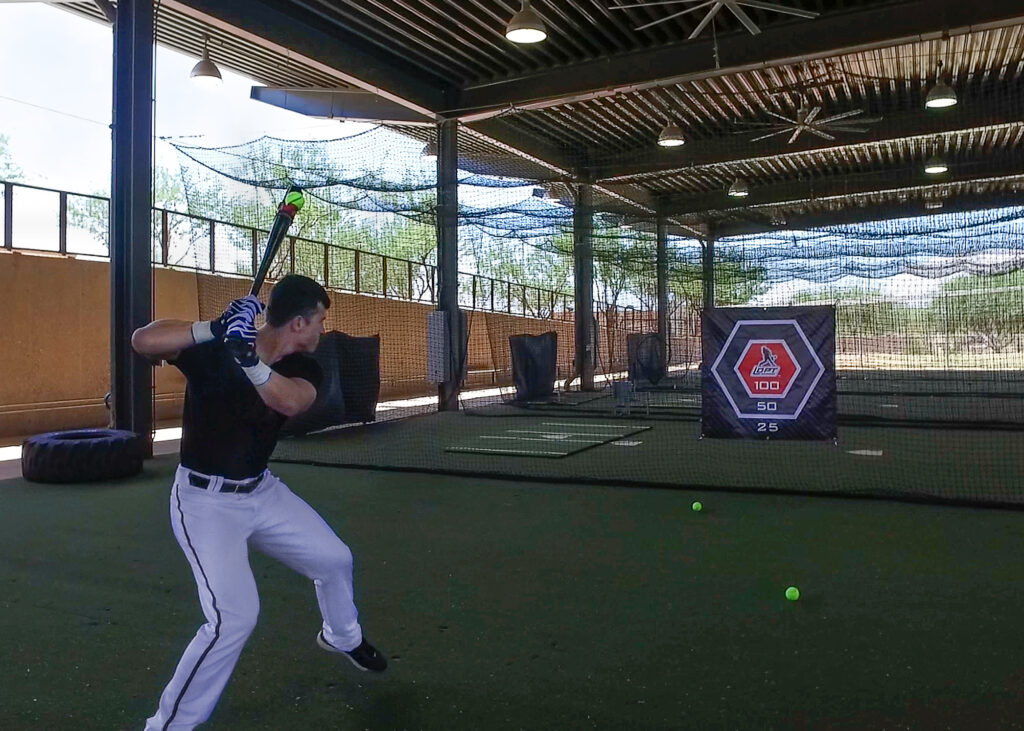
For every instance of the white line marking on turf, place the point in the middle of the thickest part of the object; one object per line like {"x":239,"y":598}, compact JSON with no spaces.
{"x":504,"y":451}
{"x":596,"y":426}
{"x":626,"y":444}
{"x":563,"y":435}
{"x":890,"y":406}
{"x":560,"y":435}
{"x":533,"y":439}
{"x":866,"y":452}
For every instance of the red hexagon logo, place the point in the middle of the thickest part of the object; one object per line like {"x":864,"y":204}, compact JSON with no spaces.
{"x":767,"y":368}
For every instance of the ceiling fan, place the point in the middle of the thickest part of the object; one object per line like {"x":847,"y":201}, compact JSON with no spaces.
{"x":807,"y":120}
{"x":713,"y":7}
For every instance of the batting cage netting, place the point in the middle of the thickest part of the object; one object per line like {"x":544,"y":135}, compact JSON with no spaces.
{"x":928,"y":323}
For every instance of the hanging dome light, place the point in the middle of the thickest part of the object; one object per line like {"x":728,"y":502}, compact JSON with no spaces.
{"x":205,"y":74}
{"x":429,"y":152}
{"x":739,"y":188}
{"x":935,"y":165}
{"x":941,"y":95}
{"x":526,"y":26}
{"x":671,"y":136}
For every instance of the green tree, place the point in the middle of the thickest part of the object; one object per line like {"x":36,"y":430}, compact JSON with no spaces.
{"x":863,"y":312}
{"x":984,"y":309}
{"x":543,"y":269}
{"x":737,"y":281}
{"x":9,"y":171}
{"x":92,"y":214}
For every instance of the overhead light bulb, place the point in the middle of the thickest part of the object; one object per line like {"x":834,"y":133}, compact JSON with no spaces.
{"x":526,"y":26}
{"x":940,"y":96}
{"x":205,"y":74}
{"x":671,"y":136}
{"x":429,"y":152}
{"x":935,"y":165}
{"x":739,"y":188}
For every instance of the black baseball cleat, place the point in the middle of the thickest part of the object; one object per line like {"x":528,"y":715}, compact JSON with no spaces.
{"x":365,"y":656}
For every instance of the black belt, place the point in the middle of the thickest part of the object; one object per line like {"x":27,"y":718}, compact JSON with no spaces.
{"x":227,"y":486}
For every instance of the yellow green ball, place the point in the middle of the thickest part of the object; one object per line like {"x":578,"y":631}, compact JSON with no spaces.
{"x":295,"y":198}
{"x":792,"y":593}
{"x":697,"y":507}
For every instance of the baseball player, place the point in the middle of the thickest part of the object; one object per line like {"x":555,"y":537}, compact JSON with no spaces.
{"x":242,"y":385}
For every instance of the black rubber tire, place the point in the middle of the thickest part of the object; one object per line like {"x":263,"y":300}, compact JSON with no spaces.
{"x":81,"y":455}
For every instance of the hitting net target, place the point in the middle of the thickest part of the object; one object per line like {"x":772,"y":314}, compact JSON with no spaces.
{"x":769,"y":373}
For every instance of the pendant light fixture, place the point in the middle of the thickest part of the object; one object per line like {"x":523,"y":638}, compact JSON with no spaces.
{"x":671,"y":136}
{"x":941,"y":95}
{"x":935,"y":165}
{"x":526,"y":26}
{"x":205,"y":73}
{"x":739,"y":188}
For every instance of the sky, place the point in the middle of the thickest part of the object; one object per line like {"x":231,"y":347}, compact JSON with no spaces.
{"x":57,"y":119}
{"x":58,"y":116}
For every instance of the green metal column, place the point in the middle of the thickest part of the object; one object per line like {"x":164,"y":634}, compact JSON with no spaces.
{"x":583,"y":262}
{"x":131,"y":292}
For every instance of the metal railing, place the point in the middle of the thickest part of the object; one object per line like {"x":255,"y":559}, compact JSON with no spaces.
{"x":191,"y":242}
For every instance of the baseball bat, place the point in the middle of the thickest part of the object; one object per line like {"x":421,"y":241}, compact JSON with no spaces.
{"x":292,"y":204}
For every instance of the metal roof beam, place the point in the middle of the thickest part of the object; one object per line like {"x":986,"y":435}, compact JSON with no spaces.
{"x":989,"y":107}
{"x":836,"y":186}
{"x":876,"y":26}
{"x":566,"y":161}
{"x":358,"y":106}
{"x":879,"y":212}
{"x":108,"y":10}
{"x":296,"y":28}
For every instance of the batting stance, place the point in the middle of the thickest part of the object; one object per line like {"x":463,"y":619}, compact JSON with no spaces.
{"x":242,"y":385}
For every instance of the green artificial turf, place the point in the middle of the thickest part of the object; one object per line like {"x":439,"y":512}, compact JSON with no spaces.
{"x":505,"y":605}
{"x":932,"y":464}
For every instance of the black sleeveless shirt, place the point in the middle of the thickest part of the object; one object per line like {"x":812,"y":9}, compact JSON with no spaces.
{"x":226,"y":429}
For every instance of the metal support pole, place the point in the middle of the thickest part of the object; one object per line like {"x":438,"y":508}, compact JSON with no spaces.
{"x":8,"y":215}
{"x":663,"y":286}
{"x":131,"y":279}
{"x":583,"y":262}
{"x":62,"y":223}
{"x":709,"y":269}
{"x":165,"y":239}
{"x":448,"y":259}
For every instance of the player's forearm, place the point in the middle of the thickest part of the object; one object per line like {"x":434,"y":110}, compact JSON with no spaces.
{"x":163,"y":337}
{"x":287,"y":396}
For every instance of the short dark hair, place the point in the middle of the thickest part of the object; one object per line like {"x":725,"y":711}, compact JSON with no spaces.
{"x":295,"y":295}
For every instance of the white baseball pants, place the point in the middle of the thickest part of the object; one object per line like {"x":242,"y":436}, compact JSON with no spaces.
{"x":215,"y":531}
